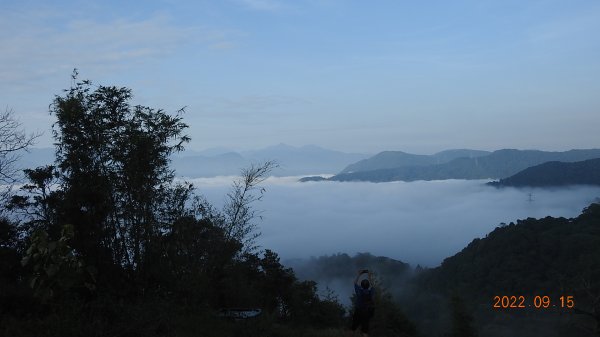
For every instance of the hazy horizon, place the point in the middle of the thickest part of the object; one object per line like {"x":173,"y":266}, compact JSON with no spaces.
{"x":224,"y":149}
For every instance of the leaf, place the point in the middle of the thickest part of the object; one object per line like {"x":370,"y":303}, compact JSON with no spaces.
{"x":51,"y":270}
{"x":91,"y":270}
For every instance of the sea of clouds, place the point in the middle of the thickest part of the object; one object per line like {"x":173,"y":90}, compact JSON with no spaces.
{"x":419,"y":222}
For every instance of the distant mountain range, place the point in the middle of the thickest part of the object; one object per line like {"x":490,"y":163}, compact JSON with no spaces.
{"x":496,"y":165}
{"x":308,"y":159}
{"x":555,"y":173}
{"x":395,"y":159}
{"x":292,"y":161}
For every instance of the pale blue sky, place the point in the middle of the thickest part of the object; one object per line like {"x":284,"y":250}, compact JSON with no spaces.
{"x":362,"y":76}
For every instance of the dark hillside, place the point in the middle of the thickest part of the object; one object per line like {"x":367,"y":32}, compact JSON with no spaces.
{"x":551,"y":257}
{"x":555,"y":173}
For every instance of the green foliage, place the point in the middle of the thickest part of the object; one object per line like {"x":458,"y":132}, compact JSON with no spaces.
{"x":56,"y":269}
{"x":461,"y":320}
{"x":263,"y":282}
{"x":13,"y":293}
{"x":116,"y":182}
{"x":39,"y":201}
{"x":390,"y":319}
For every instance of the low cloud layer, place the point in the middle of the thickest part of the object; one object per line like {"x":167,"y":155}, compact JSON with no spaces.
{"x":417,"y":222}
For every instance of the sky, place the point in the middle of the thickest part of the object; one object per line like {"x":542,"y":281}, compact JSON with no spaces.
{"x":356,"y":76}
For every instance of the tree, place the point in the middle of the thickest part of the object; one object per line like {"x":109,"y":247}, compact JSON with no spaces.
{"x":112,"y":182}
{"x":238,"y":209}
{"x":56,"y":267}
{"x":13,"y":140}
{"x":11,"y":271}
{"x":461,"y":320}
{"x":116,"y":187}
{"x":38,"y":204}
{"x":238,"y":214}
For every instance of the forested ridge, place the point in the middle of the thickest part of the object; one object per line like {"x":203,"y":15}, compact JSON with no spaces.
{"x":551,"y":257}
{"x":554,"y":173}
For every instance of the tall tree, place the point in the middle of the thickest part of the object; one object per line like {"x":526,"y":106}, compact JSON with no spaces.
{"x":117,"y":186}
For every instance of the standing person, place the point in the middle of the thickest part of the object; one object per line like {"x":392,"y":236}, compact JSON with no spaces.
{"x":365,"y":303}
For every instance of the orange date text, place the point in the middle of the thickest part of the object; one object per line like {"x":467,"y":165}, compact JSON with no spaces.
{"x":537,"y":302}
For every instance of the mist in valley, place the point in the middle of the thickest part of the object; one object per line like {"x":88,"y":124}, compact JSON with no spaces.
{"x":419,"y":222}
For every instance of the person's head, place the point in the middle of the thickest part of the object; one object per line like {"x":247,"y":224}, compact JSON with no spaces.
{"x":365,"y":284}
